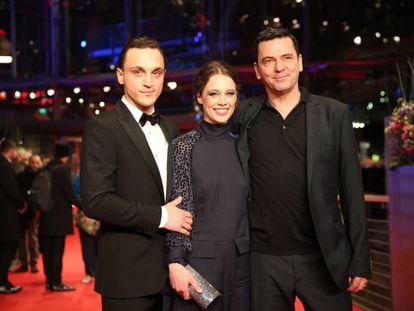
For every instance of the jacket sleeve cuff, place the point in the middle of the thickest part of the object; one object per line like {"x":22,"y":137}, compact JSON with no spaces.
{"x":177,"y":255}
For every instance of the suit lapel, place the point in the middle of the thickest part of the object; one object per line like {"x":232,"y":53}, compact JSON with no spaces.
{"x":137,"y":136}
{"x":312,"y":137}
{"x":169,"y":136}
{"x":243,"y":124}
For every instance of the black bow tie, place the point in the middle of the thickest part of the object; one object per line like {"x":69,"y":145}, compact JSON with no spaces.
{"x":153,"y":118}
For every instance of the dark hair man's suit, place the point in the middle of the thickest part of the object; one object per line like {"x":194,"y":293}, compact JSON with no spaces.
{"x":331,"y":171}
{"x":121,"y":186}
{"x":10,"y":202}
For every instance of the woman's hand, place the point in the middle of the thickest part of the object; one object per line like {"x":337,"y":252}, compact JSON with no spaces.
{"x":181,"y":279}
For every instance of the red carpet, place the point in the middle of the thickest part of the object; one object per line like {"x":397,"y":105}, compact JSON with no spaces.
{"x":34,"y":296}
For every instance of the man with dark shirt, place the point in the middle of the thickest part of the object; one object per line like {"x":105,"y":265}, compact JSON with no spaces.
{"x":299,"y":152}
{"x":28,"y":240}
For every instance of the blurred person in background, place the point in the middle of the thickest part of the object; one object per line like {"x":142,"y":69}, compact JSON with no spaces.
{"x":29,"y":222}
{"x":88,"y":228}
{"x":11,"y":204}
{"x":20,"y":162}
{"x":55,"y":224}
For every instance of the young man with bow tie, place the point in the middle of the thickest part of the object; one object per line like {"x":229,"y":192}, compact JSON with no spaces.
{"x":125,"y":183}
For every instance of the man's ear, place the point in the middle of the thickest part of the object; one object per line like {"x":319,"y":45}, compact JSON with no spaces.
{"x":256,"y":70}
{"x":300,"y":60}
{"x":120,"y":76}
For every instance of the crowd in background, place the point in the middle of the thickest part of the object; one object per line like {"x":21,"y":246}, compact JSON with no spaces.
{"x":20,"y":238}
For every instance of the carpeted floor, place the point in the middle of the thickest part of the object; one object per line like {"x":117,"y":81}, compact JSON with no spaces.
{"x":34,"y":296}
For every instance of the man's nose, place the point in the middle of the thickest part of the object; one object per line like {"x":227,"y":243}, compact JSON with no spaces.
{"x":278,"y":66}
{"x":148,"y":80}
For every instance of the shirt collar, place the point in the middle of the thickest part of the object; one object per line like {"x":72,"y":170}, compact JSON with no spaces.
{"x":135,"y":111}
{"x":304,"y":97}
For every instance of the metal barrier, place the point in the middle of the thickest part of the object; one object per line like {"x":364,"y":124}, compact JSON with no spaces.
{"x":378,"y":295}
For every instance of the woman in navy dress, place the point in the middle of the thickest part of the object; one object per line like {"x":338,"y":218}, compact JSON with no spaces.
{"x":208,"y":175}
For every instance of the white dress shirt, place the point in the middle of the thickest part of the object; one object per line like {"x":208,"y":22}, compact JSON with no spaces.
{"x":159,"y":148}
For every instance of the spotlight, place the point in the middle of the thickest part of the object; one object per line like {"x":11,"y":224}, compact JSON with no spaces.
{"x":172,"y":85}
{"x":6,"y":59}
{"x":358,"y":40}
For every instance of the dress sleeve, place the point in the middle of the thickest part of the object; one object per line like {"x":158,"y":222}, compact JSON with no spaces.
{"x":179,"y":245}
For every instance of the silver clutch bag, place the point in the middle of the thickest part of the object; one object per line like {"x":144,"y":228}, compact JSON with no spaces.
{"x":209,"y":292}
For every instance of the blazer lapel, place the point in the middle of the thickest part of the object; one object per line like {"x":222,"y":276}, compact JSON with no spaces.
{"x":137,"y":136}
{"x":169,"y":137}
{"x":242,"y":123}
{"x":312,"y":137}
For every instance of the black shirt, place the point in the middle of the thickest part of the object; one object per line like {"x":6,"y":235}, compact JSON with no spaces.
{"x":281,"y":223}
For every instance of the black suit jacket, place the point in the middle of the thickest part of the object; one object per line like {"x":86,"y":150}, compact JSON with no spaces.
{"x":59,"y":220}
{"x":121,"y":186}
{"x":332,"y":169}
{"x":10,"y":201}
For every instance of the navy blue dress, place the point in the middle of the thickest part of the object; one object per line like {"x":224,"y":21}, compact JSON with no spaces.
{"x":208,"y":174}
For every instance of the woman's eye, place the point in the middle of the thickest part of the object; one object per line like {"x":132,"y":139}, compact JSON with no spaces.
{"x":213,"y":94}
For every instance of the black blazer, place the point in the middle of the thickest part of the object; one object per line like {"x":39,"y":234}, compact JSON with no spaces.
{"x":10,"y":201}
{"x":121,"y":186}
{"x":332,"y":169}
{"x":59,"y":220}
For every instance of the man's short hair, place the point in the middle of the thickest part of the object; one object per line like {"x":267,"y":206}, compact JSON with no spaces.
{"x":6,"y":145}
{"x":62,"y":149}
{"x":270,"y":33}
{"x":140,"y":43}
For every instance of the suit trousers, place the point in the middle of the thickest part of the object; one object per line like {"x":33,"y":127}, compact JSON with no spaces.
{"x":52,"y":249}
{"x":28,"y":240}
{"x":7,"y":251}
{"x":277,"y":280}
{"x":147,"y":303}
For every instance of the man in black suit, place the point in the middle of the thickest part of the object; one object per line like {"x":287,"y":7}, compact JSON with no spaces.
{"x":55,"y":224}
{"x":11,"y":203}
{"x":299,"y":152}
{"x":125,"y":183}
